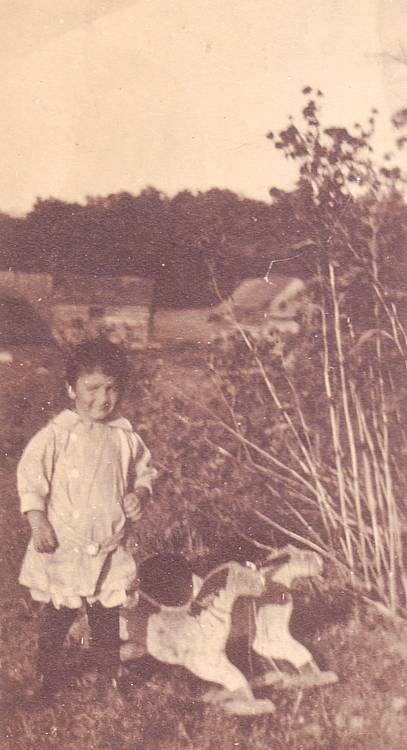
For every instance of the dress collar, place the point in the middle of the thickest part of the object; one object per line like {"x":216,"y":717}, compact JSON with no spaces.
{"x":69,"y":419}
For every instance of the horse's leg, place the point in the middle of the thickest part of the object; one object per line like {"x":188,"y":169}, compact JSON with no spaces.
{"x":274,"y":641}
{"x":216,"y":667}
{"x":235,"y":696}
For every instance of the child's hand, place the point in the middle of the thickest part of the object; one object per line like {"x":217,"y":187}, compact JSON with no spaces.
{"x":135,"y":502}
{"x":43,"y":534}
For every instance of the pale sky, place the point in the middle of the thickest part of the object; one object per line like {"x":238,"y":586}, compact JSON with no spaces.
{"x":98,"y":96}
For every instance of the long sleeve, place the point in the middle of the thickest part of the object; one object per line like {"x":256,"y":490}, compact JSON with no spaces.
{"x":144,"y":472}
{"x":34,"y":471}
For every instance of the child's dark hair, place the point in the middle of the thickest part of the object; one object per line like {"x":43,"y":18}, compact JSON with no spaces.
{"x":98,"y":353}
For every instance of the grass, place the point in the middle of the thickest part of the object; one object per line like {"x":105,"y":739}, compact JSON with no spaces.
{"x":366,"y":710}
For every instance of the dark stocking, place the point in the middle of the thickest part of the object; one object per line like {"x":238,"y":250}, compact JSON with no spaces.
{"x":53,"y":629}
{"x":105,"y":630}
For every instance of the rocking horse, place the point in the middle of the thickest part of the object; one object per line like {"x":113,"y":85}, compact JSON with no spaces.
{"x":181,"y":619}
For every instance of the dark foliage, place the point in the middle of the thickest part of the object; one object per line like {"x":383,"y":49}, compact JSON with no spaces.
{"x":180,"y":242}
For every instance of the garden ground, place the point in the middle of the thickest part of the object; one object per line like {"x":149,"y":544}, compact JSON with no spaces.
{"x":366,"y":710}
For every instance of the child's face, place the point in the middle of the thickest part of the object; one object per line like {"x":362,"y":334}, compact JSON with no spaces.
{"x":96,"y":395}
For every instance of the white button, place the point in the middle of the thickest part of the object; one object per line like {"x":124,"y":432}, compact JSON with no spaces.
{"x":75,"y":514}
{"x":92,"y":549}
{"x":74,"y":437}
{"x":75,"y":473}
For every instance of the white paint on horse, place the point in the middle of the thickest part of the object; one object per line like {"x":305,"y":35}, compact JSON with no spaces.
{"x":195,"y":635}
{"x":198,"y":643}
{"x":273,"y":639}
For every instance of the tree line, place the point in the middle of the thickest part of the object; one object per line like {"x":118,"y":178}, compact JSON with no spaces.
{"x":183,"y":242}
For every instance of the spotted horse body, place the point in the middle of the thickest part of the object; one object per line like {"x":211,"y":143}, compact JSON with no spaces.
{"x":194,"y":633}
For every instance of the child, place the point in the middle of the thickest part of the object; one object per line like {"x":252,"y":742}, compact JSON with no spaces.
{"x":79,"y":479}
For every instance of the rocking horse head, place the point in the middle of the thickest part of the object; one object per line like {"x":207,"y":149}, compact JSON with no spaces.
{"x":290,"y":563}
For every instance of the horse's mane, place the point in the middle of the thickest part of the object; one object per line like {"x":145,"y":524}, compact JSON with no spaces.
{"x":213,"y":584}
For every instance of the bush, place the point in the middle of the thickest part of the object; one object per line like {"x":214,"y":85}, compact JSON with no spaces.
{"x":305,"y":437}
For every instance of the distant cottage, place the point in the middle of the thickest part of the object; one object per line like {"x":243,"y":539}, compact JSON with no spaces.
{"x":119,"y":306}
{"x":262,"y":304}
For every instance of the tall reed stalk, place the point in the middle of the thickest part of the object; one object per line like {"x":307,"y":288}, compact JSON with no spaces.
{"x":360,"y":518}
{"x":344,"y":499}
{"x":340,"y":476}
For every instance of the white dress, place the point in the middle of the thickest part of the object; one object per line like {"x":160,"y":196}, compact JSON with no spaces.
{"x":79,"y":473}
